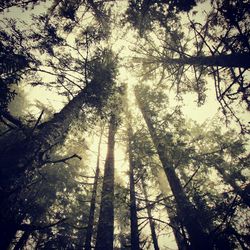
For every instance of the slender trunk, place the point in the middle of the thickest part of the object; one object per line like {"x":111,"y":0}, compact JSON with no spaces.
{"x":105,"y":231}
{"x":135,"y":242}
{"x":244,"y":194}
{"x":150,"y":218}
{"x":22,"y":241}
{"x":93,"y":199}
{"x":198,"y":238}
{"x":241,"y":60}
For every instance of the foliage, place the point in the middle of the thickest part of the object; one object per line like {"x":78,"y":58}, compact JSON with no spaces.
{"x":182,"y":53}
{"x":143,"y":14}
{"x":71,"y":50}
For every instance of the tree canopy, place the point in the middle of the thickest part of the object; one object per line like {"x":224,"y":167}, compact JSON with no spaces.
{"x":124,"y":124}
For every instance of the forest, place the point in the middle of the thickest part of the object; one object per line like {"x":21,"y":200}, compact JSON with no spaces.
{"x":124,"y":124}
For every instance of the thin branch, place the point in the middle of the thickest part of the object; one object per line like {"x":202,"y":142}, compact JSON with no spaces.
{"x":190,"y":179}
{"x":29,"y":227}
{"x":12,"y":119}
{"x":37,"y":122}
{"x":64,"y":160}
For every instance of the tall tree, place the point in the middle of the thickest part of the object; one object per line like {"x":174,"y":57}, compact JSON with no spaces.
{"x":177,"y":228}
{"x":30,"y":153}
{"x":198,"y":237}
{"x":135,"y":242}
{"x":90,"y":226}
{"x":146,"y":152}
{"x":187,"y":51}
{"x":37,"y":145}
{"x":105,"y":231}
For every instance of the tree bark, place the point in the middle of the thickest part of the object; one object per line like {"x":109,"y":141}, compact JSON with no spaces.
{"x":150,"y":218}
{"x":241,"y":60}
{"x":8,"y":232}
{"x":105,"y":231}
{"x":29,"y":153}
{"x":135,"y":242}
{"x":198,"y":238}
{"x":89,"y":231}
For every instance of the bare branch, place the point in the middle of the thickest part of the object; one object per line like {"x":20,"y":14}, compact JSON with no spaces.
{"x":64,"y":160}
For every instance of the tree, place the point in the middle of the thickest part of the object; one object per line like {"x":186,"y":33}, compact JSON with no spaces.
{"x":13,"y":62}
{"x":186,"y":54}
{"x":33,"y":155}
{"x":89,"y":231}
{"x":105,"y":229}
{"x":197,"y":234}
{"x":148,"y":163}
{"x":135,"y":242}
{"x":143,"y":14}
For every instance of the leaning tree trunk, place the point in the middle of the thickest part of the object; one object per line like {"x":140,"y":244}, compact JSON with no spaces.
{"x":135,"y":242}
{"x":89,"y":231}
{"x":29,"y":155}
{"x":198,"y":238}
{"x":150,"y":218}
{"x":241,"y":60}
{"x":105,"y":231}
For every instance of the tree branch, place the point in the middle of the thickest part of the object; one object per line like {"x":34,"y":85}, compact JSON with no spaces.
{"x":29,"y":227}
{"x":64,"y":160}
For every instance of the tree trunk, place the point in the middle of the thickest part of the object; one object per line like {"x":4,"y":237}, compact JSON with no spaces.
{"x":150,"y":218}
{"x":241,"y":60}
{"x":180,"y":239}
{"x":105,"y":231}
{"x":22,"y":241}
{"x":135,"y":242}
{"x":28,"y":154}
{"x":9,"y":227}
{"x":8,"y":232}
{"x":198,"y":238}
{"x":93,"y":199}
